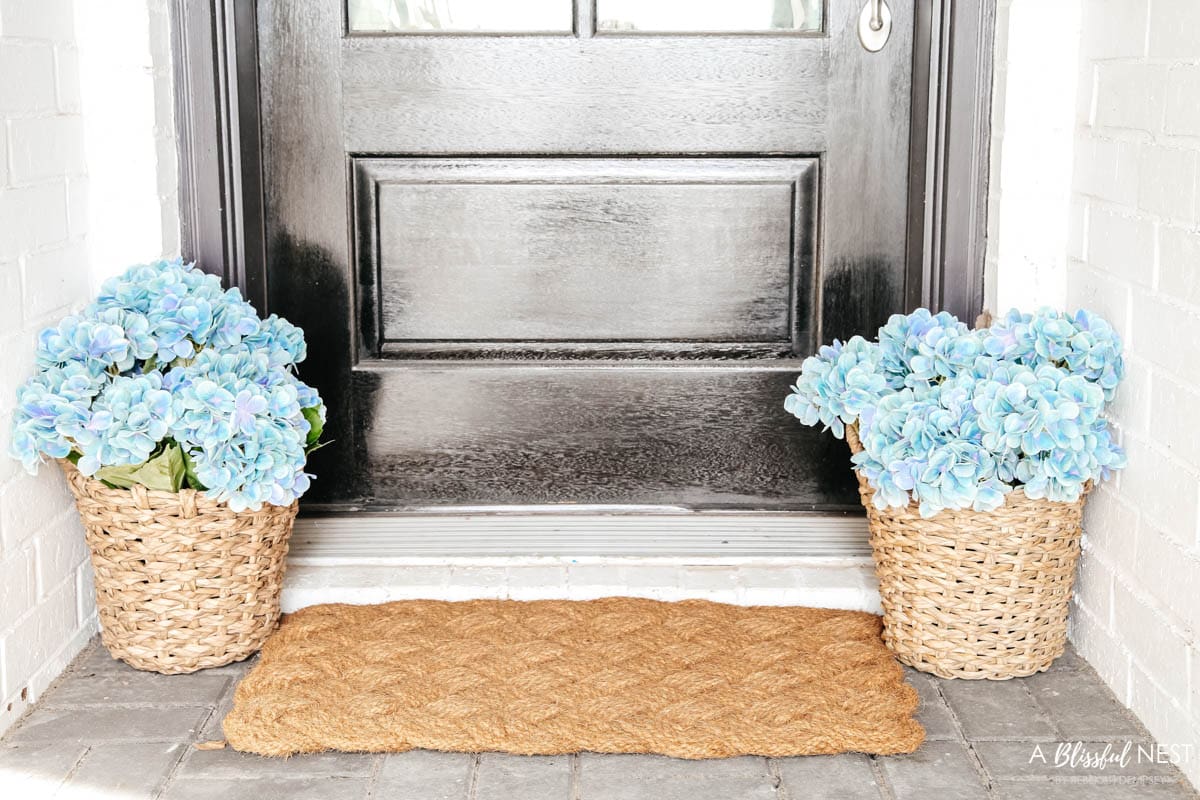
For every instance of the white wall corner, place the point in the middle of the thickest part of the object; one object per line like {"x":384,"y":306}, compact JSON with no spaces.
{"x":1033,"y":142}
{"x":129,"y":131}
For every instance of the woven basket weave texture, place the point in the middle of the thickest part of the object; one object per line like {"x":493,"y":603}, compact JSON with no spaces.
{"x":970,"y":594}
{"x":182,"y":582}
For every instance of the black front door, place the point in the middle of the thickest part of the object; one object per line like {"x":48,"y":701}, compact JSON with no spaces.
{"x":560,"y":254}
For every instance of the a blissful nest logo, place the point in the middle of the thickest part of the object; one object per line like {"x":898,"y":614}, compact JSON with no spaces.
{"x":1109,"y":756}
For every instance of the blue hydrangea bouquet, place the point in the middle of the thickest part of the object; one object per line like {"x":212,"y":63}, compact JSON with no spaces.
{"x":167,"y":380}
{"x":951,"y":418}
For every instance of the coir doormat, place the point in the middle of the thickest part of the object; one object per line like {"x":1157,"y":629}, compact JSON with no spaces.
{"x":692,"y":679}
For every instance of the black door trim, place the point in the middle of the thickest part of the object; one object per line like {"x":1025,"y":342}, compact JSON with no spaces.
{"x":222,"y":221}
{"x":215,"y":52}
{"x":949,"y":155}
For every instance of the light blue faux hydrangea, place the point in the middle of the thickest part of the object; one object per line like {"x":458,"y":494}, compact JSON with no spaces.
{"x":837,"y":385}
{"x":165,"y":359}
{"x":928,"y":449}
{"x":52,"y":407}
{"x":282,"y":341}
{"x":963,"y":417}
{"x":915,"y":348}
{"x":128,"y":419}
{"x":1084,"y":344}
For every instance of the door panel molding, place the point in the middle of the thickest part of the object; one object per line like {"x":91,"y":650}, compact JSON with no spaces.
{"x":637,"y":254}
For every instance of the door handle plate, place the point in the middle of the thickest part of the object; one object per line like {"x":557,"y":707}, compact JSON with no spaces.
{"x":875,"y":25}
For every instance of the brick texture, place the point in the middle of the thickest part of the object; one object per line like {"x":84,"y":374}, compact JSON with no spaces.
{"x":44,"y":616}
{"x":1134,"y":190}
{"x":79,"y":82}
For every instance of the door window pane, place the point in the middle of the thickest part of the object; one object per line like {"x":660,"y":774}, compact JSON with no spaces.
{"x":416,"y":16}
{"x":716,"y":16}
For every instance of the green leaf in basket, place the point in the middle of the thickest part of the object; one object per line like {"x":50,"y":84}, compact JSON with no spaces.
{"x":189,"y":470}
{"x":163,"y":471}
{"x":316,"y":426}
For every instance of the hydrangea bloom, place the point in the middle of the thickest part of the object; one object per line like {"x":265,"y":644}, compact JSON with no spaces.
{"x":838,"y":384}
{"x":928,"y":449}
{"x":965,"y":416}
{"x":916,"y":347}
{"x":128,"y":419}
{"x":165,"y":359}
{"x":1084,"y":344}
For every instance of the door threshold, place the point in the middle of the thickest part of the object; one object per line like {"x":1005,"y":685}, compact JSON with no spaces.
{"x":358,"y":536}
{"x":847,"y":583}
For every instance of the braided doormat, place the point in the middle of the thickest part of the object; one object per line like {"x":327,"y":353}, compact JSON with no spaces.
{"x":693,"y":679}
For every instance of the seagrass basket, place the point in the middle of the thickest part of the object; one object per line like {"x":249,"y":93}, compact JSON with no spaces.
{"x":182,"y":581}
{"x":969,"y":594}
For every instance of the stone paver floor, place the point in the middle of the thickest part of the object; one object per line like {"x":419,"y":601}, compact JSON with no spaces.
{"x":108,"y":731}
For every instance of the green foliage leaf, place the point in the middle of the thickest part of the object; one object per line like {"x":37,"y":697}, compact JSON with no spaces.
{"x":189,"y":469}
{"x":313,"y":415}
{"x":164,"y":471}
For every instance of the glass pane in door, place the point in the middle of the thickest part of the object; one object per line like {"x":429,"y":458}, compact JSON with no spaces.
{"x":431,"y":16}
{"x":704,"y":16}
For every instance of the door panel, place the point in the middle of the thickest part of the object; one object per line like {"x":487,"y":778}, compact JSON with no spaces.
{"x":417,"y":94}
{"x":532,"y":434}
{"x":539,"y":270}
{"x":589,"y":255}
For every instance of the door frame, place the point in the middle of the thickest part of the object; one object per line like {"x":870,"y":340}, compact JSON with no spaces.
{"x":221,"y":208}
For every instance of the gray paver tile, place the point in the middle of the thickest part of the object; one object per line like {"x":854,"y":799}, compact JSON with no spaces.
{"x":103,"y":724}
{"x":937,"y":771}
{"x":229,"y":763}
{"x":36,"y":770}
{"x":1082,"y":707}
{"x":1051,"y":760}
{"x":125,"y":771}
{"x":1068,"y":661}
{"x":212,"y":726}
{"x":509,"y":777}
{"x":828,"y":777}
{"x":424,"y":775}
{"x":933,"y":714}
{"x":996,"y":709}
{"x":97,"y":659}
{"x":237,"y":669}
{"x":271,"y":789}
{"x":1041,"y":790}
{"x":99,"y":687}
{"x":637,"y":777}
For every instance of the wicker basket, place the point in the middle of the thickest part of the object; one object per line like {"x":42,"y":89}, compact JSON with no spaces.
{"x":970,"y":594}
{"x":182,"y":581}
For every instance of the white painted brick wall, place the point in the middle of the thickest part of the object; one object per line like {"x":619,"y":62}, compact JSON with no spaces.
{"x":1135,"y":257}
{"x":48,"y":266}
{"x":43,"y":272}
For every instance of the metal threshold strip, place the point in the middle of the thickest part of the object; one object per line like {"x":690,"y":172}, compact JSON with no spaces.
{"x":369,"y":535}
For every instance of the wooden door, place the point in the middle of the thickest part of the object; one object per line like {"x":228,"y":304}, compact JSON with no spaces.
{"x":575,"y":258}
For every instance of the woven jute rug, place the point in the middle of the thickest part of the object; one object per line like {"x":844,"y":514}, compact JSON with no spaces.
{"x":692,"y":679}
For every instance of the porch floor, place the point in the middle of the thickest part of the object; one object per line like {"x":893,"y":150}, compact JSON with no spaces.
{"x":105,"y":730}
